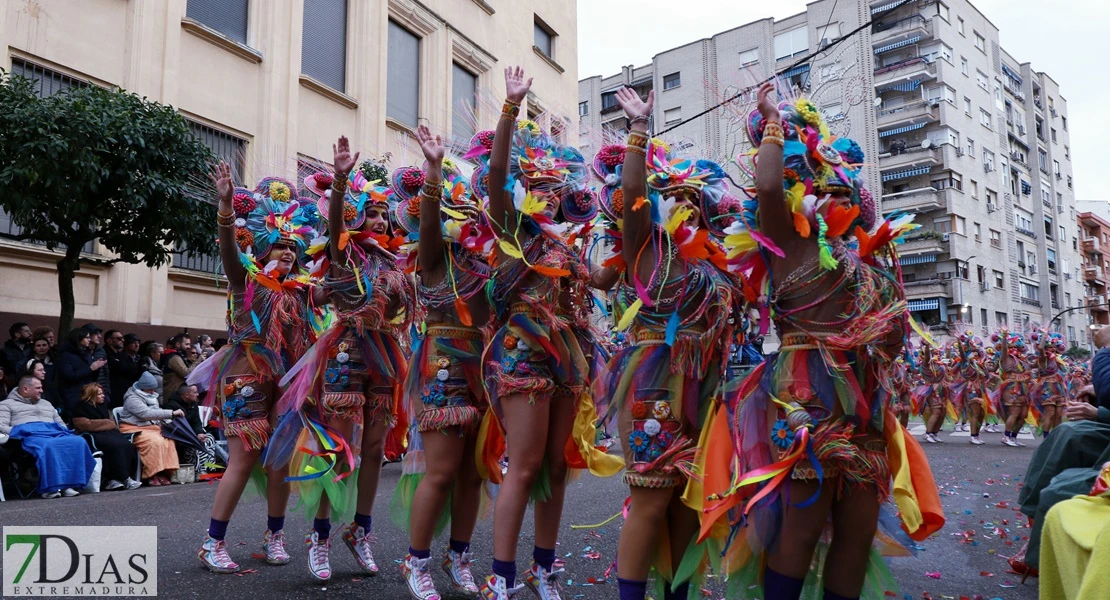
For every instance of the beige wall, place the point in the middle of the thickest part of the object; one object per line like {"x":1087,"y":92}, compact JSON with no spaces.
{"x":256,"y":92}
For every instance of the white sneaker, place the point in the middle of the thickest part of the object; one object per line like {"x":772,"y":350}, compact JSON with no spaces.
{"x":457,"y":567}
{"x":495,"y":588}
{"x":113,"y":485}
{"x":213,"y":554}
{"x":418,"y":576}
{"x":1018,"y":442}
{"x":273,"y":544}
{"x":1007,"y":441}
{"x":359,"y":541}
{"x":132,"y":484}
{"x":930,"y":438}
{"x":976,"y":441}
{"x":318,"y":563}
{"x":1025,"y":430}
{"x":70,"y":492}
{"x":543,"y":583}
{"x":52,"y":495}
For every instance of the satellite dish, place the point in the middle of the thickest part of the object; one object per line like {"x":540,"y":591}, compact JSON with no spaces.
{"x":878,"y":102}
{"x":926,"y":143}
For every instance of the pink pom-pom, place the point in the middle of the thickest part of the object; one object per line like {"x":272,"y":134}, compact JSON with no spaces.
{"x":412,"y":178}
{"x":611,"y":155}
{"x":324,"y":180}
{"x":485,"y":138}
{"x":244,"y":204}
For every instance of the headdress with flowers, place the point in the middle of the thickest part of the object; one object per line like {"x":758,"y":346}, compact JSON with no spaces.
{"x":271,"y":215}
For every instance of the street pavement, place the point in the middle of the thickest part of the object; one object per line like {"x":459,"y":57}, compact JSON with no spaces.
{"x":979,"y":487}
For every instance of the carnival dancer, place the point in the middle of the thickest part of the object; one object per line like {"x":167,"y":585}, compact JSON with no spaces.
{"x":535,"y":371}
{"x":902,"y":379}
{"x":931,"y":396}
{"x":447,"y":246}
{"x":1014,"y":387}
{"x":1051,"y":389}
{"x":810,"y":440}
{"x":344,"y":395}
{"x":263,"y":237}
{"x":972,"y":392}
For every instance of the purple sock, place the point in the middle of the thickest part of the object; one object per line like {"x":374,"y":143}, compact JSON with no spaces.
{"x":322,"y":528}
{"x":364,"y":521}
{"x":831,"y":596}
{"x":217,"y":529}
{"x":505,"y":569}
{"x":275,"y":524}
{"x":421,"y":554}
{"x":632,"y":590}
{"x":681,"y":592}
{"x":544,"y":557}
{"x":777,"y":586}
{"x":459,"y":547}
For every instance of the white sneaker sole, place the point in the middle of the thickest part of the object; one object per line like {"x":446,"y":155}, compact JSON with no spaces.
{"x":365,"y":568}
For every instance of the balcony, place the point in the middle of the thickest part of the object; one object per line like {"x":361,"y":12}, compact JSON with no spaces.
{"x":928,"y":288}
{"x":1031,"y":302}
{"x":911,"y":68}
{"x":929,"y":242}
{"x":1094,"y":274}
{"x":892,"y":32}
{"x":1090,"y":244}
{"x":918,"y":200}
{"x":911,"y":113}
{"x":1097,"y":303}
{"x":1028,"y":232}
{"x":914,"y":156}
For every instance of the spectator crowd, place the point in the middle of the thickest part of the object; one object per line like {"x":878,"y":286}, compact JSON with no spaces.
{"x":101,"y":410}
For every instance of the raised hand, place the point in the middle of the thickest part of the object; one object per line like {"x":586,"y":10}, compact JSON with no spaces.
{"x":768,"y":101}
{"x":221,"y":178}
{"x":343,"y":161}
{"x":633,"y":106}
{"x":516,"y":88}
{"x":432,"y":146}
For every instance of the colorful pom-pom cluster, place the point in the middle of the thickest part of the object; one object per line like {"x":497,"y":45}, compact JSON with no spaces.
{"x":279,"y":191}
{"x":412,"y":179}
{"x":611,"y":155}
{"x":244,"y":204}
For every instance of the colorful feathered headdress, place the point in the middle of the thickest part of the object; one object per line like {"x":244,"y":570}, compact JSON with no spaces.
{"x":272,"y":215}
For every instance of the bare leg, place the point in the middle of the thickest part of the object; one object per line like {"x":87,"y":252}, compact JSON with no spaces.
{"x":855,"y":518}
{"x":444,"y":452}
{"x":277,"y":488}
{"x":640,"y":532}
{"x":370,"y":470}
{"x":526,"y":436}
{"x":1013,"y":418}
{"x":976,"y":410}
{"x":234,"y":481}
{"x":684,"y":525}
{"x":936,"y":419}
{"x":801,"y":528}
{"x":467,"y":495}
{"x":1048,"y":418}
{"x":549,"y":514}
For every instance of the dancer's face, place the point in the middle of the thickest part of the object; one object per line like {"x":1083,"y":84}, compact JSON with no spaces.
{"x":377,"y":221}
{"x":687,"y":200}
{"x":285,"y":257}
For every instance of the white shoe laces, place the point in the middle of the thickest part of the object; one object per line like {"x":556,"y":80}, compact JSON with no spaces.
{"x":219,"y":552}
{"x":549,"y":582}
{"x":276,"y":545}
{"x":462,"y":566}
{"x":424,"y":583}
{"x":320,"y":553}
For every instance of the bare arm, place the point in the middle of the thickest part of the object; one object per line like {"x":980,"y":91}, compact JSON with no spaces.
{"x":343,"y":162}
{"x":775,"y":219}
{"x":501,"y":210}
{"x":637,"y":223}
{"x":429,"y":252}
{"x":604,"y":278}
{"x":229,"y":248}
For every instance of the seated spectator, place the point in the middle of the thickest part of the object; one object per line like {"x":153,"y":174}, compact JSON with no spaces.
{"x":150,"y":357}
{"x":141,"y":413}
{"x":123,"y":364}
{"x":1076,"y":563}
{"x":76,"y":369}
{"x":185,"y":399}
{"x":119,"y":455}
{"x":1066,"y":463}
{"x":63,"y":459}
{"x":175,"y":364}
{"x":16,"y":350}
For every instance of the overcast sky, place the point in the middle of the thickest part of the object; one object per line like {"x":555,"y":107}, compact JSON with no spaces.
{"x":1059,"y":38}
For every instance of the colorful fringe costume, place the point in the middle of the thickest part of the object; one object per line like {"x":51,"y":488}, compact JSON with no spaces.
{"x":932,"y":393}
{"x":819,"y":408}
{"x":1051,"y":387}
{"x":972,"y":387}
{"x":269,"y":322}
{"x":1014,"y":388}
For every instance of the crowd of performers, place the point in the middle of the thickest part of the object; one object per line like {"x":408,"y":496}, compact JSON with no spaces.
{"x":455,"y":316}
{"x":1001,"y":386}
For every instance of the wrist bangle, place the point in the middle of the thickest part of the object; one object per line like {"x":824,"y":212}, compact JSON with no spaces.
{"x":433,"y":191}
{"x":637,"y":139}
{"x":225,"y":220}
{"x":630,"y":149}
{"x":339,"y":185}
{"x":638,"y":119}
{"x":776,"y":141}
{"x":510,"y":109}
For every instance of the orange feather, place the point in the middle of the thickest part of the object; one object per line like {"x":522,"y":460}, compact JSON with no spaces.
{"x":464,"y":312}
{"x":801,"y":225}
{"x":550,"y":271}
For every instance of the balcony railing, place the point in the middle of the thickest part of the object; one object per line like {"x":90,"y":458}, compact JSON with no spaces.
{"x":921,"y":110}
{"x":1090,"y":244}
{"x":908,"y":25}
{"x":1031,"y":302}
{"x":904,"y":68}
{"x":914,"y":155}
{"x":1091,"y":273}
{"x":928,"y":288}
{"x":1028,"y":232}
{"x":921,"y":199}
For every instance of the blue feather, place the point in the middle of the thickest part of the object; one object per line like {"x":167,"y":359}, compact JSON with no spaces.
{"x":257,"y":323}
{"x":672,"y":328}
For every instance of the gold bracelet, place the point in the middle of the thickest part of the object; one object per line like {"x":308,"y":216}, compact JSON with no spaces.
{"x":434,"y":192}
{"x":769,"y":139}
{"x":225,"y":220}
{"x":339,"y":185}
{"x":773,"y":129}
{"x":640,"y":141}
{"x":510,"y":110}
{"x":635,"y":150}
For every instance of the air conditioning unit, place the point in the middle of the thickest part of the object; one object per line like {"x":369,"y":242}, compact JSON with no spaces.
{"x":984,"y":286}
{"x":991,"y":208}
{"x":1021,"y":264}
{"x":944,"y":237}
{"x":1054,"y":113}
{"x":987,"y":168}
{"x":959,"y":151}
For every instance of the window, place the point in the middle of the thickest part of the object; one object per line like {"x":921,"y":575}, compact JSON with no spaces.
{"x":1051,"y":260}
{"x":953,"y":180}
{"x":988,"y":162}
{"x":1056,"y":167}
{"x":941,"y":92}
{"x":403,"y":81}
{"x":961,"y":270}
{"x":983,"y":317}
{"x":1000,"y":319}
{"x":672,"y":81}
{"x":228,"y":17}
{"x":1067,"y":152}
{"x":937,"y":9}
{"x":999,"y":280}
{"x":961,"y":226}
{"x":980,"y":43}
{"x":749,"y":57}
{"x":942,"y":225}
{"x":828,"y":34}
{"x":1030,"y":292}
{"x":992,"y":199}
{"x":44,"y":81}
{"x":974,"y":190}
{"x":978,"y":233}
{"x":672,"y":115}
{"x":967,"y":106}
{"x":1063,"y":233}
{"x":981,"y":273}
{"x":1052,"y":131}
{"x":464,"y":92}
{"x":960,"y":27}
{"x":1064,"y":123}
{"x":1042,"y":159}
{"x":544,"y":38}
{"x":985,"y":118}
{"x":981,"y":79}
{"x":608,"y":100}
{"x":225,"y":146}
{"x":963,"y":65}
{"x":1023,"y":220}
{"x":1048,"y":227}
{"x":954,"y":138}
{"x":583,"y":109}
{"x":996,"y":238}
{"x":791,"y":43}
{"x":324,"y":42}
{"x":971,"y":147}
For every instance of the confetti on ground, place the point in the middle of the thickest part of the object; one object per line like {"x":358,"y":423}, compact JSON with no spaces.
{"x":933,"y":574}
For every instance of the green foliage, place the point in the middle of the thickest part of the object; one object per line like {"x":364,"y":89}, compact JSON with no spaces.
{"x":1078,"y":353}
{"x":375,"y":169}
{"x":95,"y":163}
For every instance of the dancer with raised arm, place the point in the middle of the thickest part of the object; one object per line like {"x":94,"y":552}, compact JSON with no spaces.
{"x":263,"y":237}
{"x":810,"y":442}
{"x":932,"y":393}
{"x":1015,"y":387}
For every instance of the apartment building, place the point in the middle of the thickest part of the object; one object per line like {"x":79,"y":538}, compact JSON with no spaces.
{"x":1094,"y":241}
{"x":972,"y":141}
{"x":269,"y":86}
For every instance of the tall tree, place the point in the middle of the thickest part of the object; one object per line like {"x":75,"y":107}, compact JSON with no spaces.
{"x":92,"y":163}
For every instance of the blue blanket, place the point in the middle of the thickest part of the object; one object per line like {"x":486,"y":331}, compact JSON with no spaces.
{"x":63,"y":459}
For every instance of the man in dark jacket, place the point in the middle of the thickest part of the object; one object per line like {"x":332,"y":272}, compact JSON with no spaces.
{"x":123,"y":364}
{"x":99,"y":353}
{"x":175,"y":365}
{"x":16,"y":351}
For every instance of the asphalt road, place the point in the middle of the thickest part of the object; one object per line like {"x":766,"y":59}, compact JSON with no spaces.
{"x":978,"y":486}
